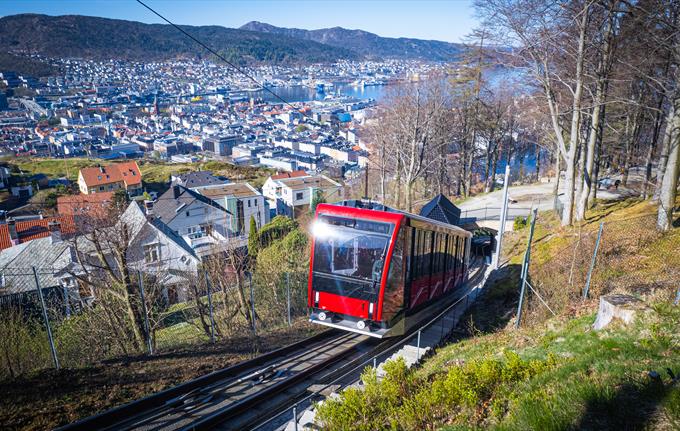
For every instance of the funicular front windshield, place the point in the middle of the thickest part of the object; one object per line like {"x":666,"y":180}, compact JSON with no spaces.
{"x":350,"y":248}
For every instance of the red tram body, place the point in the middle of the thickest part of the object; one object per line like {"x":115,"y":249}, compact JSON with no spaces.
{"x":380,"y":272}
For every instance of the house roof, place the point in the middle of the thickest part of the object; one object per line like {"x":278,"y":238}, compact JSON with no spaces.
{"x":28,"y":230}
{"x":93,"y":204}
{"x":49,"y":258}
{"x":127,"y":172}
{"x":237,"y":190}
{"x":135,"y":220}
{"x":441,"y":209}
{"x":294,"y":174}
{"x":167,"y":206}
{"x":318,"y":181}
{"x":200,"y":179}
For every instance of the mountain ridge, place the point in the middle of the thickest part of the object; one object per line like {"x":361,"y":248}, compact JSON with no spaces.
{"x":366,"y":43}
{"x":79,"y":36}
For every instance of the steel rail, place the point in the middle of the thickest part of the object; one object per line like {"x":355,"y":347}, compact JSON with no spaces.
{"x":122,"y":413}
{"x":358,"y":365}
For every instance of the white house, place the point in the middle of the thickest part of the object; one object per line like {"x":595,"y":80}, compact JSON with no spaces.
{"x":201,"y":222}
{"x":293,"y":191}
{"x":152,"y":248}
{"x":242,"y":201}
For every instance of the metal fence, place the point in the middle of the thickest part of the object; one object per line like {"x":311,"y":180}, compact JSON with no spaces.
{"x":592,"y":262}
{"x":492,"y":214}
{"x":49,"y":319}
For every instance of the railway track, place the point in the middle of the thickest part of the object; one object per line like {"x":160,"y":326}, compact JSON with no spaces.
{"x":237,"y":397}
{"x":246,"y":394}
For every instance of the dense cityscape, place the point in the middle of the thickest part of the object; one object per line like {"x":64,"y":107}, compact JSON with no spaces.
{"x":365,"y":215}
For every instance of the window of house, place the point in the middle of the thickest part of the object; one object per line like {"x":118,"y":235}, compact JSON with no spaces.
{"x":255,"y":202}
{"x":187,"y":213}
{"x":101,"y":188}
{"x":152,"y":253}
{"x":248,"y":203}
{"x":298,"y":196}
{"x":207,"y":229}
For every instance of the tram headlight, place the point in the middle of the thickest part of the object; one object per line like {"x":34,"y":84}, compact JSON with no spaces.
{"x":322,"y":315}
{"x":361,"y":324}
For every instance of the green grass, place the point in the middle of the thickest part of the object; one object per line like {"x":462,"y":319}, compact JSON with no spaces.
{"x":181,"y":334}
{"x":562,"y":376}
{"x":155,"y":174}
{"x":595,"y":379}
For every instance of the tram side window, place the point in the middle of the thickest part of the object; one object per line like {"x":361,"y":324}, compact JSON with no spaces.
{"x":447,"y":252}
{"x":393,"y":301}
{"x":441,"y":252}
{"x":455,"y":255}
{"x":417,"y":254}
{"x":426,"y":266}
{"x":435,"y":252}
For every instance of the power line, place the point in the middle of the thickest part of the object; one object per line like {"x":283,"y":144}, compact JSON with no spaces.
{"x":221,"y":57}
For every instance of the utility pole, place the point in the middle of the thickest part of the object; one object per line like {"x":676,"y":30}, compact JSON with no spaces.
{"x":366,"y":183}
{"x":503,"y":216}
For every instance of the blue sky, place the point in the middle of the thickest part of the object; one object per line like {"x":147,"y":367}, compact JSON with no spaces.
{"x":447,"y":20}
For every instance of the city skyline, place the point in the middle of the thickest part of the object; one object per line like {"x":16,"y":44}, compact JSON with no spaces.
{"x":448,"y":21}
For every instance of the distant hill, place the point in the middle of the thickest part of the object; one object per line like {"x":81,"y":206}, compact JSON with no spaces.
{"x":368,"y":44}
{"x":25,"y":65}
{"x":102,"y":38}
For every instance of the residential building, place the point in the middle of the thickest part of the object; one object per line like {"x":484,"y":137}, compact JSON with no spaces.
{"x":201,"y":222}
{"x":5,"y":175}
{"x":291,"y":193}
{"x":242,"y":201}
{"x":18,"y":232}
{"x":117,"y":176}
{"x":57,"y":266}
{"x":152,"y":248}
{"x":221,"y":145}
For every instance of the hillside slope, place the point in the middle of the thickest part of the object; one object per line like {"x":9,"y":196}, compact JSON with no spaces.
{"x":367,"y":44}
{"x":555,"y":372}
{"x":102,"y":38}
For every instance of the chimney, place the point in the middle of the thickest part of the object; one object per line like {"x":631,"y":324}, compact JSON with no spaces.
{"x":55,"y":231}
{"x":175,"y":191}
{"x":148,"y":209}
{"x":12,"y":228}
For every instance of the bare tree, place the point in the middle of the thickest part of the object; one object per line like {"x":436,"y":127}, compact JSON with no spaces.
{"x":544,"y":33}
{"x":416,"y":123}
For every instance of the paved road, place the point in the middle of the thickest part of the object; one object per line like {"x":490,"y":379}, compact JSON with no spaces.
{"x":522,"y":199}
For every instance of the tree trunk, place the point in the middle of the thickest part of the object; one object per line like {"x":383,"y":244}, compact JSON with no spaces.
{"x":409,"y":196}
{"x":491,"y":183}
{"x":244,"y":305}
{"x":669,"y":184}
{"x":598,"y":156}
{"x":574,"y":136}
{"x":668,"y":137}
{"x":590,"y":155}
{"x":397,"y":182}
{"x":538,"y":162}
{"x":556,"y":186}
